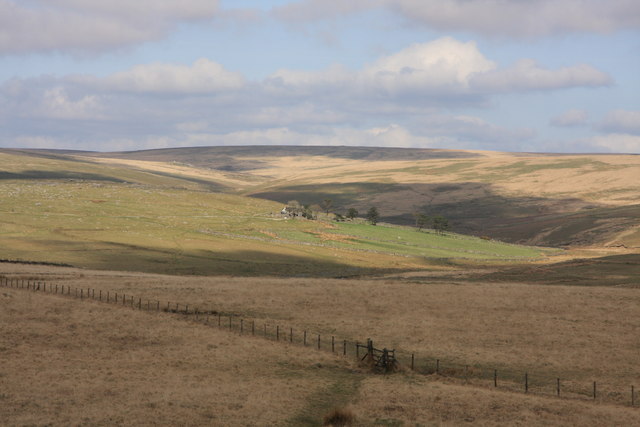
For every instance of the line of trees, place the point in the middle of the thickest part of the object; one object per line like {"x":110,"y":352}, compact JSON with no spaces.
{"x":421,"y":221}
{"x":437,"y":222}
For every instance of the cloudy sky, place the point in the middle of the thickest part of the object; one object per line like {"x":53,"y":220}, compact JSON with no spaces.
{"x":507,"y":75}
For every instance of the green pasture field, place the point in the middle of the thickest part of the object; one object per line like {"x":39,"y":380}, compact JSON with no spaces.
{"x":120,"y":226}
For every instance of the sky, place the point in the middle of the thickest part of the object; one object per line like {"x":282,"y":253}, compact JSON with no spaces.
{"x":502,"y":75}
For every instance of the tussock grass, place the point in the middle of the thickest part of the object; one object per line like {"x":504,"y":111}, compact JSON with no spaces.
{"x":547,"y":331}
{"x":71,"y":362}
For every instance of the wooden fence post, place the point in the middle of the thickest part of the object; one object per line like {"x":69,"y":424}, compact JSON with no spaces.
{"x":81,"y":291}
{"x":158,"y":307}
{"x":241,"y":326}
{"x":495,"y":378}
{"x":412,"y":360}
{"x":100,"y":294}
{"x":253,"y":327}
{"x":558,"y":386}
{"x":229,"y":321}
{"x":277,"y":332}
{"x":594,"y":390}
{"x":219,"y":319}
{"x":290,"y":334}
{"x":318,"y":341}
{"x":437,"y":366}
{"x":357,"y":350}
{"x":186,"y":309}
{"x":526,"y":382}
{"x":632,"y":397}
{"x":304,"y":340}
{"x":344,"y":348}
{"x":139,"y":303}
{"x":333,"y":344}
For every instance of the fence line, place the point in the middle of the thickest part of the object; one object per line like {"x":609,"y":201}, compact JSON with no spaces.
{"x":430,"y":366}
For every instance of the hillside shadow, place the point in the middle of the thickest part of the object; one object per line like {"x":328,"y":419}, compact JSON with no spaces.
{"x":472,"y":208}
{"x":57,"y":175}
{"x":246,"y":158}
{"x":613,"y":270}
{"x":102,"y":255}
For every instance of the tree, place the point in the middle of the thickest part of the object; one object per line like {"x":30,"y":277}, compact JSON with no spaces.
{"x":352,"y":213}
{"x":307,"y":212}
{"x":422,"y":220}
{"x":373,"y":215}
{"x":440,"y":224}
{"x":326,"y":205}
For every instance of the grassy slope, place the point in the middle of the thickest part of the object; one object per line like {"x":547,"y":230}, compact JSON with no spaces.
{"x":542,"y":199}
{"x":117,"y":217}
{"x":71,"y":362}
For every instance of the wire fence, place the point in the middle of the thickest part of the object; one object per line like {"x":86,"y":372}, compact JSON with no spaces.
{"x":502,"y":378}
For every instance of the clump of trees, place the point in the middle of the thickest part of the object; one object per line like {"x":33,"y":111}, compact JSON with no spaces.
{"x":439,"y":223}
{"x":373,"y":215}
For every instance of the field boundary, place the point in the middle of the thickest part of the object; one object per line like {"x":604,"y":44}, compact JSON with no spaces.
{"x":503,"y":379}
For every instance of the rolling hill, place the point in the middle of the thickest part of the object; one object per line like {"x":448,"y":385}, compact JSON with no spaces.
{"x":541,"y":199}
{"x":152,"y":216}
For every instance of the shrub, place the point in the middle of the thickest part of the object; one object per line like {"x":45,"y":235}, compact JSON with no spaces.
{"x":339,"y":417}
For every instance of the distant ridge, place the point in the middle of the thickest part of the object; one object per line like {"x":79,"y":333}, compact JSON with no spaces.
{"x":227,"y":157}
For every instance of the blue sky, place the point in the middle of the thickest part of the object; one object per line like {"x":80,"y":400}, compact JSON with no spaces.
{"x":503,"y":75}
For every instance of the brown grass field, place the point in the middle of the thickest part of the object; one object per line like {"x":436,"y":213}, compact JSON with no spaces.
{"x":67,"y":361}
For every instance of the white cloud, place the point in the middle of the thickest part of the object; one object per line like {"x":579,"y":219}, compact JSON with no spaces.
{"x":443,"y":64}
{"x":297,"y":82}
{"x":621,"y":121}
{"x":570,"y":118}
{"x":618,"y":143}
{"x":398,"y":99}
{"x":530,"y":18}
{"x":526,"y":75}
{"x":521,"y":18}
{"x":203,"y":76}
{"x":469,"y":129}
{"x":91,"y":26}
{"x":57,"y":104}
{"x":444,"y":68}
{"x":391,"y":135}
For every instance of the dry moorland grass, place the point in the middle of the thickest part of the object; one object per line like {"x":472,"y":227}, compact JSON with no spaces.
{"x":581,"y":334}
{"x":416,"y":401}
{"x":71,"y":362}
{"x":66,"y":362}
